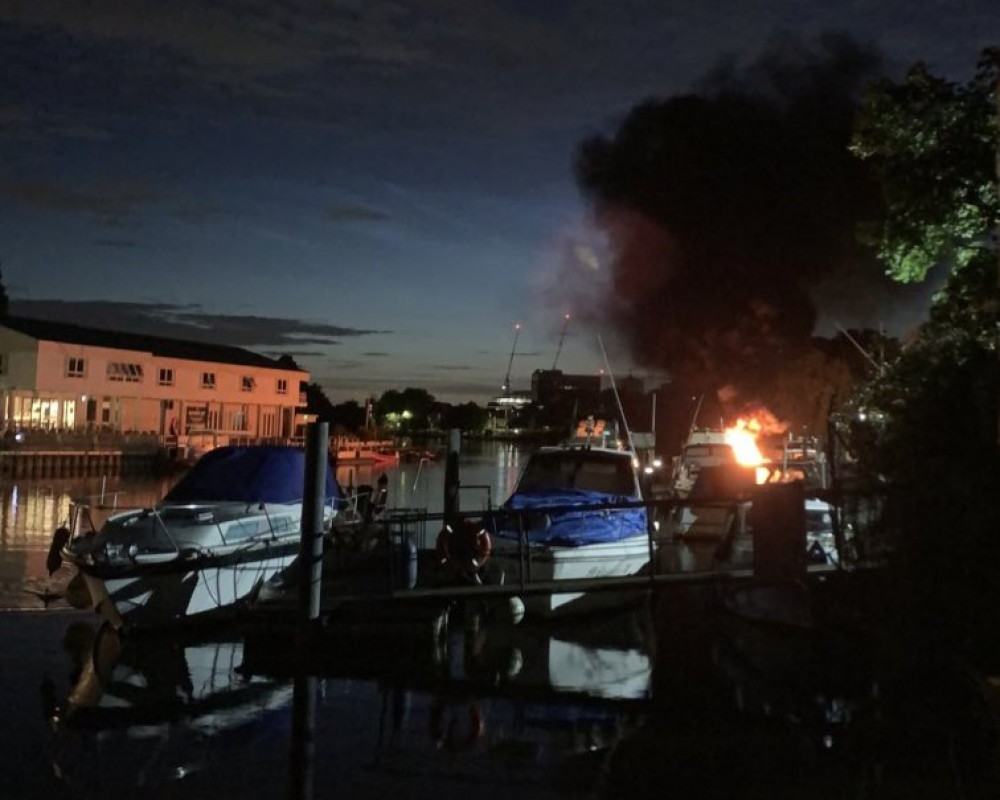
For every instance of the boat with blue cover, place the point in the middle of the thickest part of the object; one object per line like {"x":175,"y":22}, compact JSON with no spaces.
{"x":577,"y":513}
{"x":232,"y":522}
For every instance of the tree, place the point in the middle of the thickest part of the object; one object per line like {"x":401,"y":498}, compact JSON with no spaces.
{"x":930,"y":428}
{"x":467,"y":416}
{"x":317,"y":402}
{"x":348,"y":417}
{"x":934,"y":146}
{"x":410,"y":409}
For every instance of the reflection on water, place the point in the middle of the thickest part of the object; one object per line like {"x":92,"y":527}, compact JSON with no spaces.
{"x":30,"y":511}
{"x":147,"y":713}
{"x":621,"y":705}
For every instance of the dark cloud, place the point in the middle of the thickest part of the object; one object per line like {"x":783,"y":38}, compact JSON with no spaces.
{"x":194,"y":214}
{"x":189,"y":323}
{"x":117,"y":244}
{"x":293,"y":353}
{"x":112,"y":201}
{"x":450,"y":367}
{"x":345,"y":213}
{"x":375,"y":354}
{"x":109,"y":200}
{"x":20,"y":124}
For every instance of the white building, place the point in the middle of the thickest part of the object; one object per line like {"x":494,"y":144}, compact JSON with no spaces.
{"x":55,"y":376}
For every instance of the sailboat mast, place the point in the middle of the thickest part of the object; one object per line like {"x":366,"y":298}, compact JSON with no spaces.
{"x":513,"y":349}
{"x":562,"y":336}
{"x":618,"y":400}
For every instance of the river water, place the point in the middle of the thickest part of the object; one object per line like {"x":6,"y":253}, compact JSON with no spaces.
{"x":650,"y":701}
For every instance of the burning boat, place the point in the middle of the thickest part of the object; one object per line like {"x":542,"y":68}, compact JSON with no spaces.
{"x":711,"y":526}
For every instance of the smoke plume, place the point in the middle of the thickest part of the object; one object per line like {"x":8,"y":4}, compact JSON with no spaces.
{"x":727,"y":207}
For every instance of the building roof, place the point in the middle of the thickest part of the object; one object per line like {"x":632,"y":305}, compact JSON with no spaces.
{"x":48,"y":331}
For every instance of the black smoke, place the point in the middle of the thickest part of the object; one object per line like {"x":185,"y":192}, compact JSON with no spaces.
{"x":727,"y":207}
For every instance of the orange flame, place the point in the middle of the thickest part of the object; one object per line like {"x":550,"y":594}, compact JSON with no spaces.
{"x":742,"y":437}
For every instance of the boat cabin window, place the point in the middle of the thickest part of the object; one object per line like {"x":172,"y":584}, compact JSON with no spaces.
{"x":700,"y":451}
{"x":566,"y":471}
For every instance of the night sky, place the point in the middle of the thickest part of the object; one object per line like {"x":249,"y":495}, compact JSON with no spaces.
{"x":380,"y":190}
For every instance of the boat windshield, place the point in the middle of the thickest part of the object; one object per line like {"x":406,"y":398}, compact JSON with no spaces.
{"x":584,"y":471}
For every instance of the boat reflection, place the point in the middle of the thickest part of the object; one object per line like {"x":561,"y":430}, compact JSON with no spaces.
{"x":619,"y":705}
{"x":146,"y":711}
{"x":601,"y":656}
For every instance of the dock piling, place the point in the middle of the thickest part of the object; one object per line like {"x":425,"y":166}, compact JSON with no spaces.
{"x":311,"y":541}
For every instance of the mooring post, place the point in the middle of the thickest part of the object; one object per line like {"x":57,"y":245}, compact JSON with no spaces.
{"x":451,"y":478}
{"x":311,"y":540}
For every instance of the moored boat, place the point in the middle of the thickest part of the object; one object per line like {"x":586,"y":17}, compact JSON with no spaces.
{"x":232,"y":522}
{"x":577,"y":513}
{"x":350,"y":450}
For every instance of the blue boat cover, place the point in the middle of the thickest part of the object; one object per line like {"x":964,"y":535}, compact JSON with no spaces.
{"x":569,"y":527}
{"x":256,"y":474}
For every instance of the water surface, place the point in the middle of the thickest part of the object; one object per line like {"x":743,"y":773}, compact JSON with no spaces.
{"x":663,"y":699}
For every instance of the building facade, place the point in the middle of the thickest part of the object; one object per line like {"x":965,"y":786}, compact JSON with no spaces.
{"x":60,"y":377}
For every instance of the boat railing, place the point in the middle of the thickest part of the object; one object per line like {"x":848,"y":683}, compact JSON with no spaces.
{"x":673,"y":557}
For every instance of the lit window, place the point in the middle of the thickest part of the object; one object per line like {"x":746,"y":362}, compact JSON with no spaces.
{"x":166,"y":377}
{"x":247,"y":383}
{"x":75,"y":367}
{"x":282,"y":386}
{"x":121,"y":371}
{"x":208,"y":380}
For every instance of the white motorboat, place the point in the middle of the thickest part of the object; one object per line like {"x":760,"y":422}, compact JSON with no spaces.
{"x":231,"y":523}
{"x":576,"y":513}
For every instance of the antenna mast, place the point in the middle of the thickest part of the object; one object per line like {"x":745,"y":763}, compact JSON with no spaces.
{"x":561,"y":337}
{"x":618,"y":400}
{"x":506,"y":380}
{"x":880,"y":366}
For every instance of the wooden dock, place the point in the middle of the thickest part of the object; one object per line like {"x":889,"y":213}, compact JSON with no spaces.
{"x":74,"y":463}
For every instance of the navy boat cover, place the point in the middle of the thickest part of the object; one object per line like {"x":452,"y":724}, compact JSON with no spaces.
{"x":255,"y":474}
{"x":568,"y":527}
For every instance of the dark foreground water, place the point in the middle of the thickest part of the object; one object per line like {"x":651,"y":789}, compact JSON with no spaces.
{"x":617,"y":707}
{"x":664,"y":699}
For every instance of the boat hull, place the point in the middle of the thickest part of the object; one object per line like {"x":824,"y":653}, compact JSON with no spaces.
{"x":544,"y":564}
{"x":183,"y":589}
